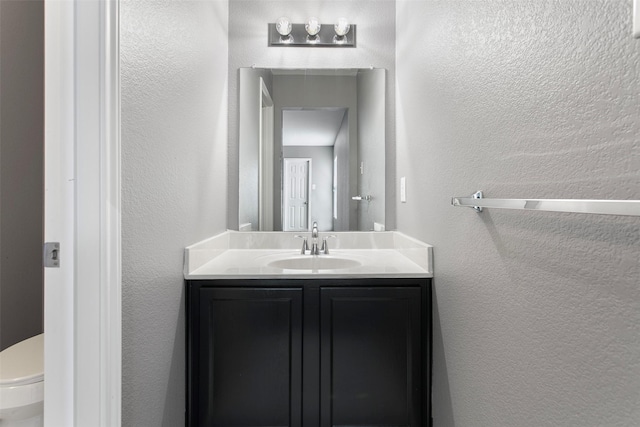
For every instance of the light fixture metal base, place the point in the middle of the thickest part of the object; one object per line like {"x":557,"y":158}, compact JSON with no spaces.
{"x":299,"y":38}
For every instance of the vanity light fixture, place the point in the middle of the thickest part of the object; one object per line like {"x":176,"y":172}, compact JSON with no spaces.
{"x":312,"y":27}
{"x":341,"y":28}
{"x":312,"y":33}
{"x":283,"y":27}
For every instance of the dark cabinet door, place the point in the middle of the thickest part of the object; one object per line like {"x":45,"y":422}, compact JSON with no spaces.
{"x":371,"y":356}
{"x":247,"y":370}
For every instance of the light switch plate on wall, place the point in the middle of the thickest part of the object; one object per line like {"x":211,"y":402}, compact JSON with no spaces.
{"x":636,"y":18}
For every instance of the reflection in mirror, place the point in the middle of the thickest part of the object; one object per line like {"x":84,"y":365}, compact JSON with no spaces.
{"x":311,"y":145}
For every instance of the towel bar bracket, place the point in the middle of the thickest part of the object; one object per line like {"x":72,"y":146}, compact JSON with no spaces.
{"x":477,"y":195}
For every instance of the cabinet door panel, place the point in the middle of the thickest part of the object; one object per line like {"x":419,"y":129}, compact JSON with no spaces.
{"x":370,"y":356}
{"x":250,"y":357}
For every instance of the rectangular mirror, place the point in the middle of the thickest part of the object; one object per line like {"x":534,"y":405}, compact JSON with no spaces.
{"x":311,"y":149}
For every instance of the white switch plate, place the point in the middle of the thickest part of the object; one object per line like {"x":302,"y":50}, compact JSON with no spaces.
{"x":403,"y":190}
{"x":636,"y":19}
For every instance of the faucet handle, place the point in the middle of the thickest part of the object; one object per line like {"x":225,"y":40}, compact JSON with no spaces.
{"x":305,"y":246}
{"x":325,"y":245}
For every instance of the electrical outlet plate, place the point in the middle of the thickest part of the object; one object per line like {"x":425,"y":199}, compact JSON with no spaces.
{"x":636,"y":19}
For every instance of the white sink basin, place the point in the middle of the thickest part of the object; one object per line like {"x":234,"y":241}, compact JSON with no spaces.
{"x":310,"y":262}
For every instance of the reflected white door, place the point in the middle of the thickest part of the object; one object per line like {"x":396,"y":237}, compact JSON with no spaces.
{"x":296,"y":190}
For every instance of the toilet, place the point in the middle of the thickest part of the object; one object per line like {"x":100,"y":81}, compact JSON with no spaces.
{"x":22,"y":384}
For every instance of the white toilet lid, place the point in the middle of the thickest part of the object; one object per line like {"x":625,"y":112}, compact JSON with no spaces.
{"x":23,"y":363}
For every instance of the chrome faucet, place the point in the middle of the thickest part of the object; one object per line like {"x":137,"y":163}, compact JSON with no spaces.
{"x":325,"y":244}
{"x":314,"y":239}
{"x":315,"y":247}
{"x":305,"y":246}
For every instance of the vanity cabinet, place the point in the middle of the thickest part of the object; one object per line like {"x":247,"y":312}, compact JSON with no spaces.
{"x":312,"y":353}
{"x":244,"y":363}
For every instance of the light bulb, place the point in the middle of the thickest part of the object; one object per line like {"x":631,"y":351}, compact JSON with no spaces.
{"x":283,"y":26}
{"x":312,"y":26}
{"x":342,"y":27}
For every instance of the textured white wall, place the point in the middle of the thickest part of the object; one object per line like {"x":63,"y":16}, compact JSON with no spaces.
{"x":248,"y":19}
{"x":537,"y":315}
{"x":174,"y":117}
{"x":21,"y":169}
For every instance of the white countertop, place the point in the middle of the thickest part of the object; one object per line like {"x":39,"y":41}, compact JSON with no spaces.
{"x":248,"y":255}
